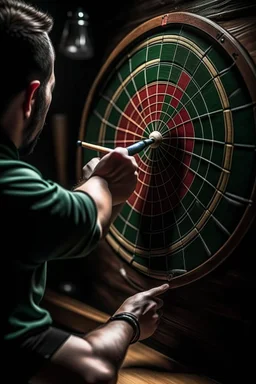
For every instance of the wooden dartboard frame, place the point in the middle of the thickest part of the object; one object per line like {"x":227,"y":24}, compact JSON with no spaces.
{"x":109,"y":89}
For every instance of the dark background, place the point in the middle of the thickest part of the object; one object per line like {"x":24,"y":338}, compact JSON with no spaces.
{"x":74,"y":78}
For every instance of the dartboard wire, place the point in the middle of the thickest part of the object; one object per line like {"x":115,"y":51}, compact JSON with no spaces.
{"x":107,"y":123}
{"x":128,"y":128}
{"x":187,"y":214}
{"x":146,"y":128}
{"x":127,"y":221}
{"x":151,"y":228}
{"x":200,"y":156}
{"x":178,"y":66}
{"x":183,"y":68}
{"x":130,"y":98}
{"x":238,"y":199}
{"x":174,"y":56}
{"x":218,"y":75}
{"x":253,"y":104}
{"x":176,"y":111}
{"x":216,"y":220}
{"x":184,"y":123}
{"x":195,"y":138}
{"x":199,"y":89}
{"x":202,"y":131}
{"x":245,"y":106}
{"x":120,"y":111}
{"x":196,"y":196}
{"x":157,"y":154}
{"x":180,"y":124}
{"x":177,"y":225}
{"x":145,"y":75}
{"x":203,"y":179}
{"x":150,"y":236}
{"x":162,"y":152}
{"x":133,"y":82}
{"x":166,"y":87}
{"x":225,"y":194}
{"x":157,"y":77}
{"x":192,"y":221}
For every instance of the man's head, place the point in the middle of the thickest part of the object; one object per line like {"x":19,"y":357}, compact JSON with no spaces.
{"x":27,"y":72}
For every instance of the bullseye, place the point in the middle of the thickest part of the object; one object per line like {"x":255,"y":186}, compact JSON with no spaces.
{"x":157,"y":137}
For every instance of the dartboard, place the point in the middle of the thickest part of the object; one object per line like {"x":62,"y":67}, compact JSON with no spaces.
{"x":186,"y":77}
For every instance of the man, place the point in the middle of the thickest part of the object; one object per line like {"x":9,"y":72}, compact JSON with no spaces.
{"x":41,"y":221}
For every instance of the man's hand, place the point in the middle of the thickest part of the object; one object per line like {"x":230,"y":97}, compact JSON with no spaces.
{"x":120,"y":171}
{"x":146,"y":306}
{"x":89,"y":168}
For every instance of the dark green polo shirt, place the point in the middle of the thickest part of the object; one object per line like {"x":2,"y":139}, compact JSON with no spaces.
{"x":40,"y":221}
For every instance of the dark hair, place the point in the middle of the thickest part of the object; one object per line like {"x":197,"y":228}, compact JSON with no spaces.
{"x":26,"y":49}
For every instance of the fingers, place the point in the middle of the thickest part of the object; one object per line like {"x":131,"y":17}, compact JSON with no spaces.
{"x":89,"y":167}
{"x":124,"y":152}
{"x":92,"y":163}
{"x":121,"y":150}
{"x":158,"y":290}
{"x":121,"y":166}
{"x":154,"y":305}
{"x":159,"y":303}
{"x":157,"y":315}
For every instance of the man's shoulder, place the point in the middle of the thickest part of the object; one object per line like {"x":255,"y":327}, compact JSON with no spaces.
{"x":13,"y":168}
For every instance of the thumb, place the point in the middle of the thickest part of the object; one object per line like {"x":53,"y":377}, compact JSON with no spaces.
{"x":158,"y":290}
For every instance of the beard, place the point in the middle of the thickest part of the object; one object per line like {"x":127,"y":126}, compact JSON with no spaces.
{"x":36,"y":124}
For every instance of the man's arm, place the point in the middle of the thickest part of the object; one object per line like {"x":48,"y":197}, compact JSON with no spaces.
{"x":97,"y":188}
{"x":102,"y":351}
{"x":119,"y":171}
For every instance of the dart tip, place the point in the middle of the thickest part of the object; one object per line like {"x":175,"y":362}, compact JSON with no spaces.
{"x":157,"y":138}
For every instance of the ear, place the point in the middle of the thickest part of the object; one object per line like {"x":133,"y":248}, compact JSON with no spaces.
{"x":30,"y":97}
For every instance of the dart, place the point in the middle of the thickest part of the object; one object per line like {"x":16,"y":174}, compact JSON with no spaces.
{"x":154,"y":140}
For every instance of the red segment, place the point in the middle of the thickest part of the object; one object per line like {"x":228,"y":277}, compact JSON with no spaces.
{"x":162,"y":183}
{"x":184,"y":80}
{"x":180,"y":89}
{"x":176,"y":98}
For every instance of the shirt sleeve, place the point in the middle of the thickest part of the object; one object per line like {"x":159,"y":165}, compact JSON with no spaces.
{"x":48,"y":221}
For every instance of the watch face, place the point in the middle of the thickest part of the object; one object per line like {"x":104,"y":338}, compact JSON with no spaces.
{"x":187,"y":78}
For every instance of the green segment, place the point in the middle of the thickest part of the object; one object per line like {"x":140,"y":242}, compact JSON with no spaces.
{"x":176,"y":260}
{"x":229,"y":213}
{"x":195,"y":254}
{"x":196,"y":36}
{"x":243,"y":172}
{"x":244,"y":126}
{"x":202,"y":75}
{"x":219,"y":59}
{"x":158,"y":263}
{"x":213,"y":235}
{"x":167,"y":110}
{"x":235,"y":88}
